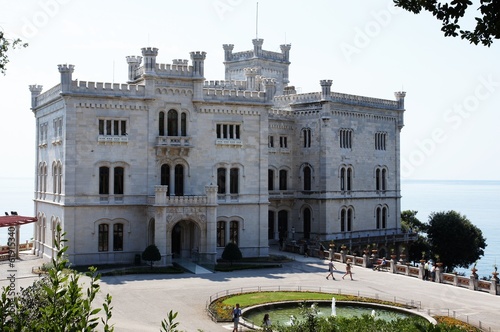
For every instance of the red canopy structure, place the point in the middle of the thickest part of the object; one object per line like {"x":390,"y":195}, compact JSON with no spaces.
{"x":6,"y":221}
{"x":16,"y":221}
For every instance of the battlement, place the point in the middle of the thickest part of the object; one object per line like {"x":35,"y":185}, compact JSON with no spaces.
{"x":106,"y":89}
{"x":233,"y":95}
{"x":222,"y":84}
{"x":342,"y":98}
{"x":47,"y":96}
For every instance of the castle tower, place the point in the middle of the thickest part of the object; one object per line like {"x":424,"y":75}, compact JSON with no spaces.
{"x":228,"y":51}
{"x":400,"y":98}
{"x":66,"y":74}
{"x":325,"y":89}
{"x":285,"y":50}
{"x":251,"y":73}
{"x":257,"y":47}
{"x":269,"y":88}
{"x":35,"y":92}
{"x":133,"y":63}
{"x":198,"y":59}
{"x":149,"y":54}
{"x":268,"y":64}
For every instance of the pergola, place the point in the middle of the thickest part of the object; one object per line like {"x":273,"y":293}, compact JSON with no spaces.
{"x":16,"y":221}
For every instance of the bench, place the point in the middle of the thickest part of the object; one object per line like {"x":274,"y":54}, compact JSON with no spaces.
{"x":378,"y":265}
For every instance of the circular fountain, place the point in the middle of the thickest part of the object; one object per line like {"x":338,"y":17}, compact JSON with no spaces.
{"x":285,"y":312}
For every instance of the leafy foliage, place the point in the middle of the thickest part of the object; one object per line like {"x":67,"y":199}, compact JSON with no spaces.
{"x":487,"y":24}
{"x":57,"y":302}
{"x":5,"y":45}
{"x":455,"y":239}
{"x":151,"y":253}
{"x":232,"y":252}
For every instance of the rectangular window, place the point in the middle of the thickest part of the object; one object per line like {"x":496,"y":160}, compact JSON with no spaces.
{"x":228,"y":131}
{"x":345,"y":138}
{"x":221,"y":180}
{"x":270,"y":179}
{"x":283,"y":142}
{"x":112,"y":127}
{"x":118,"y":237}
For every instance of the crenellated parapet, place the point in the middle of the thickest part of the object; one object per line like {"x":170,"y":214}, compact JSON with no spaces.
{"x":225,"y":95}
{"x":337,"y":97}
{"x":107,"y":89}
{"x":228,"y":85}
{"x":257,"y":52}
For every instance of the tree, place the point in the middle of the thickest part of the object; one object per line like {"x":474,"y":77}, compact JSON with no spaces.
{"x":151,"y":253}
{"x":410,"y":223}
{"x":231,"y":252}
{"x":56,"y":302}
{"x":5,"y":44}
{"x":487,"y":25}
{"x":455,"y":239}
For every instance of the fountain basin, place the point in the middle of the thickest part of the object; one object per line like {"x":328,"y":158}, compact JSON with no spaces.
{"x":281,"y":312}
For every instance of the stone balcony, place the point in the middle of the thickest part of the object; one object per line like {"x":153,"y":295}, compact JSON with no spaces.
{"x":173,"y":145}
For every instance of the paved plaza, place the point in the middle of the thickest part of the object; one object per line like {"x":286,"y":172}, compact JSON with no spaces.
{"x":141,"y":302}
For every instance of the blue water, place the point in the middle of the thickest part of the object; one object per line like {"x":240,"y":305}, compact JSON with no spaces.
{"x":477,"y":200}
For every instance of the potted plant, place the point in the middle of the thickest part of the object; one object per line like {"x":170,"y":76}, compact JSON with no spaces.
{"x":393,"y":253}
{"x":402,"y":254}
{"x":331,"y":245}
{"x":374,"y":248}
{"x":422,"y":260}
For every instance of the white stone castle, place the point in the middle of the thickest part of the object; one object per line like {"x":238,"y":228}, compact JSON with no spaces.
{"x":190,"y":165}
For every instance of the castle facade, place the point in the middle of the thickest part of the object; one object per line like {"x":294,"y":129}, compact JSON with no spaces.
{"x":172,"y":159}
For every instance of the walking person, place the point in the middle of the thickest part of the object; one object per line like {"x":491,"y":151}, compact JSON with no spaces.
{"x":236,"y":317}
{"x":331,"y":267}
{"x":348,"y":269}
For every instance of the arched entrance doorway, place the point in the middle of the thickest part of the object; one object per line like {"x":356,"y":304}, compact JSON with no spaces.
{"x":185,"y":240}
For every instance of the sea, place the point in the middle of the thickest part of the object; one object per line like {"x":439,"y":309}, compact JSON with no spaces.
{"x":476,"y":200}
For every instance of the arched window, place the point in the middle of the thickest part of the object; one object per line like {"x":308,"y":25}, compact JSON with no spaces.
{"x":172,"y":119}
{"x":384,"y":217}
{"x":307,"y":178}
{"x":270,"y":179}
{"x":283,"y":179}
{"x":346,"y":219}
{"x":165,"y":177}
{"x":179,"y":180}
{"x":221,"y":233}
{"x":183,"y":124}
{"x":307,"y":223}
{"x":379,"y":217}
{"x":119,"y":180}
{"x":103,"y":180}
{"x":270,"y":224}
{"x":346,"y":178}
{"x":118,"y":237}
{"x":233,"y":231}
{"x":306,"y":137}
{"x":234,"y":180}
{"x":161,"y":124}
{"x":381,"y":178}
{"x":103,"y":237}
{"x":221,"y":180}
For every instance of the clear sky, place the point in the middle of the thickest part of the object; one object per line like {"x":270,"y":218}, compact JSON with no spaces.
{"x":367,"y":48}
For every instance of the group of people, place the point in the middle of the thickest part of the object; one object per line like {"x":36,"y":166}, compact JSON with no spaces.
{"x":429,"y":270}
{"x":348,"y":269}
